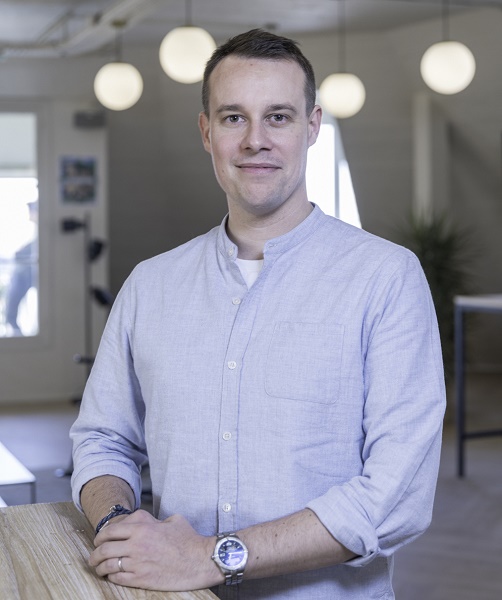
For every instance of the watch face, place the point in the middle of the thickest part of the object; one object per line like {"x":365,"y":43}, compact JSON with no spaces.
{"x":232,"y":553}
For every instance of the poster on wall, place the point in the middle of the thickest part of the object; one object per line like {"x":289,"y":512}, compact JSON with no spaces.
{"x":78,"y":180}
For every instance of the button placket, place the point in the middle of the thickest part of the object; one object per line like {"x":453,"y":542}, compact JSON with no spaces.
{"x":228,"y":436}
{"x":229,"y":418}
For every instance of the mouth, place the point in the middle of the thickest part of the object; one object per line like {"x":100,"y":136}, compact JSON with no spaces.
{"x":258,"y":168}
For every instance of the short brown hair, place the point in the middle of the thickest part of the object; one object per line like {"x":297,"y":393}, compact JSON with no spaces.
{"x":258,"y":43}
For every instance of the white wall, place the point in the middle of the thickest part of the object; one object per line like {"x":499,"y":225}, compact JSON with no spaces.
{"x":162,"y":187}
{"x":475,"y":132}
{"x":379,"y":144}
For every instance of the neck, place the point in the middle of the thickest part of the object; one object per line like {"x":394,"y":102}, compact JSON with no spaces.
{"x":250,"y":233}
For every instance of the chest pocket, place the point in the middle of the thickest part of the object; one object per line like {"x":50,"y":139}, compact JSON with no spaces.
{"x":304,"y":362}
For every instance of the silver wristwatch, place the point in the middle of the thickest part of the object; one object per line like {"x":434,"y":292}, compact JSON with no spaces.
{"x":231,"y":556}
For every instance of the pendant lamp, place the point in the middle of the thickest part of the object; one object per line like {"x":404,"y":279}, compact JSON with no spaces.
{"x":447,"y":67}
{"x":118,"y":85}
{"x":185,"y":50}
{"x":342,"y":94}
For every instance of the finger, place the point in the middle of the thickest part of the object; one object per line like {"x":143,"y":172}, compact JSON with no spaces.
{"x":114,"y":529}
{"x":126,"y":579}
{"x":107,"y":551}
{"x":112,"y":565}
{"x":112,"y":532}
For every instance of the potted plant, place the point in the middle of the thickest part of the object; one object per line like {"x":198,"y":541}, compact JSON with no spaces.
{"x":444,"y":253}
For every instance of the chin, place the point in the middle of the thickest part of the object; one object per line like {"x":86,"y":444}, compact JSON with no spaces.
{"x":264,"y":207}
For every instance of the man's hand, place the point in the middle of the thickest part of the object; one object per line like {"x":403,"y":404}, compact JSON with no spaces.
{"x":157,"y":555}
{"x":171,"y":556}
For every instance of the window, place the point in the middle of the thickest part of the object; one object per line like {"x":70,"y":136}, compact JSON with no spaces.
{"x":329,"y":183}
{"x":18,"y":225}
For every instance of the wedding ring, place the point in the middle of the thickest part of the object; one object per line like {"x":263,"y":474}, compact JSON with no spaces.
{"x":121,"y":568}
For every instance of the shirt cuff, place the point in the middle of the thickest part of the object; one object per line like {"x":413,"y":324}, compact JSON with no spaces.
{"x":80,"y":478}
{"x":347,"y":526}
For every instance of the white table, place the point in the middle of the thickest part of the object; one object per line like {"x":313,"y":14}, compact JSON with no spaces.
{"x":491,"y":303}
{"x":13,"y":472}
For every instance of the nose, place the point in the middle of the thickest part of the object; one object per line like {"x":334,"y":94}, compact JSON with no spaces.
{"x":256,"y":137}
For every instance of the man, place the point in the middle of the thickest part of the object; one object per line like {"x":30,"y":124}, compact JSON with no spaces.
{"x":282,"y":374}
{"x":24,"y":275}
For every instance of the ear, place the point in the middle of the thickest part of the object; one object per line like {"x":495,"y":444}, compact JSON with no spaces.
{"x":315,"y":119}
{"x":205,"y":131}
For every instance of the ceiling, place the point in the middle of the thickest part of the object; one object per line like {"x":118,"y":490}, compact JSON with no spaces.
{"x":76,"y":27}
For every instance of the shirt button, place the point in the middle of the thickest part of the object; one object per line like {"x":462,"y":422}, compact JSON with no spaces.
{"x":227,"y":507}
{"x":236,"y":300}
{"x":227,"y":435}
{"x":230,"y":252}
{"x":232,"y":364}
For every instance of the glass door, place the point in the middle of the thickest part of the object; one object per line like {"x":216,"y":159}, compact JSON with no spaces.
{"x":19,"y":266}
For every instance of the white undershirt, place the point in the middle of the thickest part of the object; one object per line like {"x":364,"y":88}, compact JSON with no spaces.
{"x":250,"y":269}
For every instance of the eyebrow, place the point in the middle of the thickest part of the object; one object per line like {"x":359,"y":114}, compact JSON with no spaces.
{"x":229,"y":108}
{"x":282,"y":107}
{"x":271,"y":108}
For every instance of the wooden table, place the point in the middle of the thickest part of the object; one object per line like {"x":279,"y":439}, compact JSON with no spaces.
{"x":490,"y":303}
{"x":43,"y":555}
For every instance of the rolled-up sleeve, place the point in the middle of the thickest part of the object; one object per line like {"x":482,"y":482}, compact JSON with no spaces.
{"x":390,"y":502}
{"x":108,"y":435}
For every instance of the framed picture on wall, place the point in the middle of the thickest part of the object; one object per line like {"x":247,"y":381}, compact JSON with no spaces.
{"x":78,"y":180}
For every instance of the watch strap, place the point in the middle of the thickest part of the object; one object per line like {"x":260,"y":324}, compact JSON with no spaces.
{"x":220,"y":536}
{"x":234,"y":577}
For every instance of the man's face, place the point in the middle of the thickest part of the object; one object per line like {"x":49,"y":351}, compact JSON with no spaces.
{"x":258,"y":133}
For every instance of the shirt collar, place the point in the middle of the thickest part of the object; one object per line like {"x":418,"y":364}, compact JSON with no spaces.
{"x":277,"y":245}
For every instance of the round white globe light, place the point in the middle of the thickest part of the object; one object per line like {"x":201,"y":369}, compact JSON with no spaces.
{"x":184,"y":52}
{"x":448,"y":67}
{"x":342,"y":94}
{"x":118,"y":85}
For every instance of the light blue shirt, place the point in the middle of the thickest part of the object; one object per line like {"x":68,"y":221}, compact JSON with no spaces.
{"x":321,"y":386}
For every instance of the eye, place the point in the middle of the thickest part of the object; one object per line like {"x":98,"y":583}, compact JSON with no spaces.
{"x":278,"y":118}
{"x":233,"y":119}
